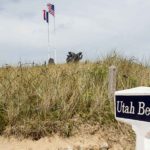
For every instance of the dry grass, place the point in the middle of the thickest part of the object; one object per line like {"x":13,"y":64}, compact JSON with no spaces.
{"x":38,"y":101}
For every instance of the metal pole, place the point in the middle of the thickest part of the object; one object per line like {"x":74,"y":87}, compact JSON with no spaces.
{"x":48,"y":42}
{"x":55,"y":54}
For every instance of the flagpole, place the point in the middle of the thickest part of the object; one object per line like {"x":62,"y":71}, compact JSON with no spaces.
{"x":51,"y":10}
{"x":55,"y":54}
{"x":48,"y":42}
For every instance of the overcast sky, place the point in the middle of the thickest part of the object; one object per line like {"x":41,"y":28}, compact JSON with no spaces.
{"x":95,"y":27}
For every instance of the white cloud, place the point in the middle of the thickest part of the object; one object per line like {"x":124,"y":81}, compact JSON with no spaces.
{"x":94,"y":27}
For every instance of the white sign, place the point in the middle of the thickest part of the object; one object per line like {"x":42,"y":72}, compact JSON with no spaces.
{"x":132,"y":106}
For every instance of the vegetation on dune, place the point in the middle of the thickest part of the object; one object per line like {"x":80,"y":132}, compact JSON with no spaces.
{"x":39,"y":101}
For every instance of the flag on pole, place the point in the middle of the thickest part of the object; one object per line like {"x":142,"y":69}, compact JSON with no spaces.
{"x":51,"y":9}
{"x":47,"y":17}
{"x":44,"y":14}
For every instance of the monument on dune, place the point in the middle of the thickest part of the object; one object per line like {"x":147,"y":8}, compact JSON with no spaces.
{"x":72,"y":57}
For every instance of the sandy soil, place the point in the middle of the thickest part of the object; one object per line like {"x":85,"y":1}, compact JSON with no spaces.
{"x":58,"y":143}
{"x":53,"y":143}
{"x":88,"y":136}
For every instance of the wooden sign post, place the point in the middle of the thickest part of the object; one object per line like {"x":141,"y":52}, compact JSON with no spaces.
{"x":132,"y":106}
{"x":112,"y":81}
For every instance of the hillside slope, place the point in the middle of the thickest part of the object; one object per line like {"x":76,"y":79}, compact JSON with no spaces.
{"x":57,"y":99}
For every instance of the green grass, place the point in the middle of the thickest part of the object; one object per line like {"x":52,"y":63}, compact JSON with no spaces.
{"x":39,"y":101}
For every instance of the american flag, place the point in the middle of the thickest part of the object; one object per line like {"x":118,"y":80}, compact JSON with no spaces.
{"x":51,"y":9}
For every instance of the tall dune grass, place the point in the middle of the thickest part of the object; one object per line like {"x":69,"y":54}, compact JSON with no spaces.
{"x":39,"y":101}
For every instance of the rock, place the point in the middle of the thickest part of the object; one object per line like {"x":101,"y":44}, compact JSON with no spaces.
{"x":118,"y":147}
{"x":104,"y":146}
{"x":68,"y":148}
{"x":77,"y":147}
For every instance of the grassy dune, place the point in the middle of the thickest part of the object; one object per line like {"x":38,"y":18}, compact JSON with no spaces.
{"x":39,"y":101}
